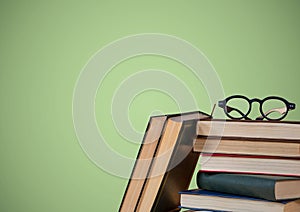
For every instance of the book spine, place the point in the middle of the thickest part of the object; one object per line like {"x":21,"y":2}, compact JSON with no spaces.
{"x":245,"y":185}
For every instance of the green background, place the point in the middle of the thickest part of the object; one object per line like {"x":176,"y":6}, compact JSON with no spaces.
{"x":253,"y":45}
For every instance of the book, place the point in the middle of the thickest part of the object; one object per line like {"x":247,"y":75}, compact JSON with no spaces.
{"x":186,"y":209}
{"x":142,"y":164}
{"x":260,"y":186}
{"x":271,"y":147}
{"x":250,"y":164}
{"x":249,"y":129}
{"x":173,"y":166}
{"x":209,"y":200}
{"x":198,"y":209}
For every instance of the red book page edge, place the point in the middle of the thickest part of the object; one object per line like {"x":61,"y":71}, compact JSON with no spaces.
{"x":257,"y":173}
{"x":247,"y":156}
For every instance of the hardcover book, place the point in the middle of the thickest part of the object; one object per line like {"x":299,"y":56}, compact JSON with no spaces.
{"x":172,"y":169}
{"x":208,"y":200}
{"x":141,"y":168}
{"x":162,"y":135}
{"x":250,"y":164}
{"x":250,"y":129}
{"x":260,"y":186}
{"x":246,"y":146}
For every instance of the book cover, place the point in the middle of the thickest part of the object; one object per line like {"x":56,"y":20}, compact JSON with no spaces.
{"x":142,"y":164}
{"x":250,"y":164}
{"x":136,"y":187}
{"x":201,"y":192}
{"x":209,"y":200}
{"x":259,"y":186}
{"x":250,"y":129}
{"x":173,"y":167}
{"x":271,"y":147}
{"x":189,"y":209}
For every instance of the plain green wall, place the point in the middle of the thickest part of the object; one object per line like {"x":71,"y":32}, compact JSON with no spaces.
{"x":253,"y":45}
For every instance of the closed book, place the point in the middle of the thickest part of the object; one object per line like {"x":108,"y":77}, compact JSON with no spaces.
{"x":250,"y":164}
{"x":225,"y":145}
{"x":209,"y":200}
{"x":143,"y":161}
{"x":250,"y":129}
{"x":260,"y":186}
{"x":173,"y":166}
{"x":198,"y":209}
{"x":163,"y":145}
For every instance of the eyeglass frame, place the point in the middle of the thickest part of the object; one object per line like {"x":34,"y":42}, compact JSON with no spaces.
{"x":289,"y":106}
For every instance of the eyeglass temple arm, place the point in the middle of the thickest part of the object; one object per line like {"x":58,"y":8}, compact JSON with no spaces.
{"x":279,"y":110}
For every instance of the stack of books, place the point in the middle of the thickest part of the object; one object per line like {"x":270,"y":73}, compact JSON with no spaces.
{"x":246,"y":166}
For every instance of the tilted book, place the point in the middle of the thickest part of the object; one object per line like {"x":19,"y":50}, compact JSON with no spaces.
{"x":151,"y":152}
{"x":142,"y":164}
{"x":173,"y":166}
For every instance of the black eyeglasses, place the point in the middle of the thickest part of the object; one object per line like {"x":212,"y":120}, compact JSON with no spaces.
{"x":271,"y":108}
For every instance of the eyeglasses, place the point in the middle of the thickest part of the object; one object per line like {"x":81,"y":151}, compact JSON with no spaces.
{"x":272,"y":108}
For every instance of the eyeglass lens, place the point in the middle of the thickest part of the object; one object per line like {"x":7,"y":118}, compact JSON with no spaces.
{"x":274,"y":108}
{"x":237,"y":107}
